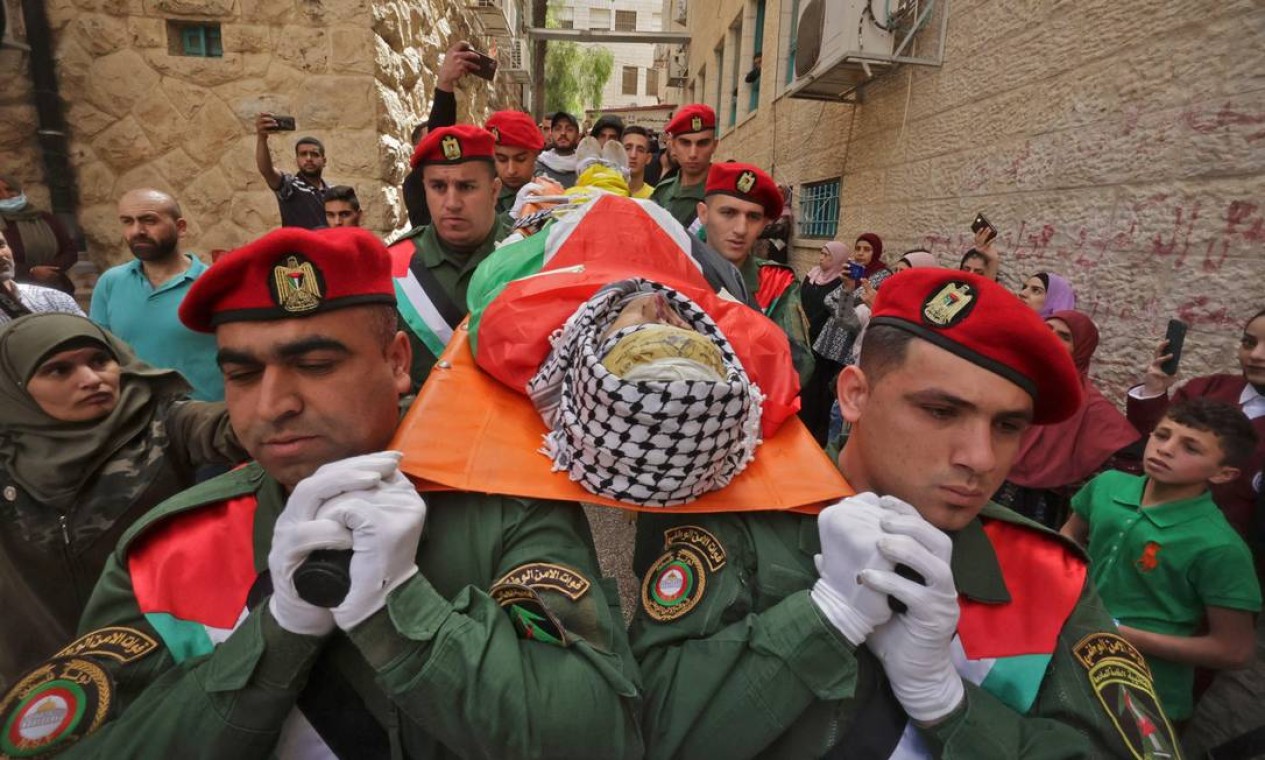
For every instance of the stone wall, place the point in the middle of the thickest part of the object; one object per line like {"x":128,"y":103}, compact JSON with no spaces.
{"x":19,"y":152}
{"x":1119,"y":144}
{"x":357,"y":74}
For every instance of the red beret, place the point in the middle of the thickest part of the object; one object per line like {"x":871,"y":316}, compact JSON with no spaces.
{"x":454,"y":145}
{"x":515,"y":129}
{"x":745,"y":182}
{"x":987,"y":325}
{"x":694,"y":117}
{"x":290,"y":273}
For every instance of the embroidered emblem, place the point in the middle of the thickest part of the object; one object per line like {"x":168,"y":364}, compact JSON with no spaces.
{"x":1120,"y":677}
{"x":496,"y":134}
{"x":57,"y":704}
{"x":696,"y":124}
{"x":542,"y":575}
{"x":674,"y":585}
{"x":746,"y":181}
{"x":297,"y":286}
{"x":1150,"y":558}
{"x":707,"y":545}
{"x":531,"y":617}
{"x":116,"y":642}
{"x":949,"y":305}
{"x":451,"y":147}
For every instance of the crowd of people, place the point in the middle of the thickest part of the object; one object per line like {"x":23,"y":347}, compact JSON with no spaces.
{"x":218,"y":537}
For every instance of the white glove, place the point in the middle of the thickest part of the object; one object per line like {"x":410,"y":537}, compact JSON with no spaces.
{"x":386,"y":524}
{"x":914,"y":646}
{"x":849,"y":534}
{"x":298,"y":532}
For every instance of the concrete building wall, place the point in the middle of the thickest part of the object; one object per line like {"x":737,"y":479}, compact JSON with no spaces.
{"x":357,"y":74}
{"x":1121,"y":144}
{"x":592,"y":14}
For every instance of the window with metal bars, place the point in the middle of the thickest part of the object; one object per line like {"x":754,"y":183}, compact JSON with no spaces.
{"x":630,"y":81}
{"x":625,"y":21}
{"x":197,"y":40}
{"x":819,"y":209}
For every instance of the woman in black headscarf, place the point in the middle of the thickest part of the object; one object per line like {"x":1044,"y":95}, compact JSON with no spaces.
{"x":91,"y":438}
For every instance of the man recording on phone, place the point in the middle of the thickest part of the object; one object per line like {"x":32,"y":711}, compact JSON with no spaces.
{"x":301,"y":196}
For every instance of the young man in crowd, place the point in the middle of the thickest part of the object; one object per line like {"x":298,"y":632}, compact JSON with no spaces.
{"x":607,"y":128}
{"x":518,"y":144}
{"x":342,"y":207}
{"x":433,"y":265}
{"x":138,"y":301}
{"x":739,"y":201}
{"x":229,"y":657}
{"x":637,"y":145}
{"x":558,"y":163}
{"x":692,"y":137}
{"x":1169,"y":567}
{"x":299,"y":196}
{"x":915,"y":617}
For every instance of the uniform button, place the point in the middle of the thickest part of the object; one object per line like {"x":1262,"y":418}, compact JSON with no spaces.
{"x":10,"y":493}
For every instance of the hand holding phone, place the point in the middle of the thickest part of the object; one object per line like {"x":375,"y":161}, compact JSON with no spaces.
{"x":856,"y":271}
{"x":1175,"y":338}
{"x":284,"y":124}
{"x":486,"y":68}
{"x":981,"y":224}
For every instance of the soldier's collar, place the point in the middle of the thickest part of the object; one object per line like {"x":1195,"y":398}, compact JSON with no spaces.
{"x":976,"y":572}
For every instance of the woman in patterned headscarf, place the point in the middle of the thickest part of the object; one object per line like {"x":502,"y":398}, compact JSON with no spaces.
{"x":91,"y":438}
{"x":42,"y":249}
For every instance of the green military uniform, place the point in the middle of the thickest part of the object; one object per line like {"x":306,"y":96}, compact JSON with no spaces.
{"x":787,"y":311}
{"x":452,"y":272}
{"x":681,"y":201}
{"x":505,"y":201}
{"x":442,"y":671}
{"x":737,"y":662}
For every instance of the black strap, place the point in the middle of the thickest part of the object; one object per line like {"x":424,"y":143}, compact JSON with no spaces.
{"x":875,"y":731}
{"x":11,"y":304}
{"x":444,"y":304}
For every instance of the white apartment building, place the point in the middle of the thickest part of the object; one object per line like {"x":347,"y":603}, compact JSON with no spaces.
{"x":634,"y":81}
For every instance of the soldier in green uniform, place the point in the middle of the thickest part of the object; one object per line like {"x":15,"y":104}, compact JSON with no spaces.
{"x":739,"y":202}
{"x":692,"y":140}
{"x":951,"y":628}
{"x":432,"y":265}
{"x":488,"y":636}
{"x":518,"y":143}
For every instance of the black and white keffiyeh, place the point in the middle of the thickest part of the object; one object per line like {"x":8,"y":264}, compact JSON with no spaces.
{"x":651,"y":443}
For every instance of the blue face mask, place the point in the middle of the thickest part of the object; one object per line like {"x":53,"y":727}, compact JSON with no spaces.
{"x":16,"y":203}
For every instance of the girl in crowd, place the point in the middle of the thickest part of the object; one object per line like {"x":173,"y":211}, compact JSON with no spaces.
{"x":91,"y":438}
{"x":822,"y":280}
{"x":1054,"y":460}
{"x":913,"y":259}
{"x":1047,"y":293}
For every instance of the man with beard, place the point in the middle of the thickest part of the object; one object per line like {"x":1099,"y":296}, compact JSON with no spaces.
{"x":300,"y":196}
{"x":518,"y":145}
{"x":692,"y":138}
{"x":432,"y":265}
{"x":138,"y":301}
{"x":558,"y":163}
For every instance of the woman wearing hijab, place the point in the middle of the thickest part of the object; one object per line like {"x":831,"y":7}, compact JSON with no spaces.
{"x":1046,"y":293}
{"x":42,"y":249}
{"x":91,"y":438}
{"x":917,"y":258}
{"x":827,"y":277}
{"x":1054,"y":460}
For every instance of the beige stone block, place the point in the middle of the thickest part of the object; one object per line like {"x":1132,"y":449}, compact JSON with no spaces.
{"x":99,"y":34}
{"x":147,"y":32}
{"x":178,"y":168}
{"x":186,"y":97}
{"x":347,"y":12}
{"x":100,"y":223}
{"x":353,"y":154}
{"x":353,"y":50}
{"x":337,"y":102}
{"x":255,"y":211}
{"x":144,"y":177}
{"x":124,"y":145}
{"x":208,"y":196}
{"x":238,"y":165}
{"x":20,"y":123}
{"x":96,"y":183}
{"x":247,"y":38}
{"x":303,"y":48}
{"x":117,"y":81}
{"x":217,"y":129}
{"x":249,"y":97}
{"x":207,"y":72}
{"x":255,"y":65}
{"x":267,"y":11}
{"x":73,"y":66}
{"x":193,"y":8}
{"x":162,"y":121}
{"x":225,"y":235}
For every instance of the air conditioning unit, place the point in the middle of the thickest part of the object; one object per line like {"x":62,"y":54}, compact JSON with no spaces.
{"x":516,"y":61}
{"x":498,"y":17}
{"x":839,"y":46}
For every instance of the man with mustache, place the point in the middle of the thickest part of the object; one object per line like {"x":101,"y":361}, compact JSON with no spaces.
{"x":138,"y":301}
{"x":915,"y":619}
{"x":300,"y":197}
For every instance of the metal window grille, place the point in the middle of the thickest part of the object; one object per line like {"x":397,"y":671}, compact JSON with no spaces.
{"x":819,"y":209}
{"x":630,"y":80}
{"x":652,"y":81}
{"x":625,"y":21}
{"x":201,"y":41}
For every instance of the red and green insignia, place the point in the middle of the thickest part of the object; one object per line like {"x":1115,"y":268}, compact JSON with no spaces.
{"x":949,"y":305}
{"x":674,"y":585}
{"x":296,"y":284}
{"x":531,"y":618}
{"x":53,"y":706}
{"x":1120,"y":677}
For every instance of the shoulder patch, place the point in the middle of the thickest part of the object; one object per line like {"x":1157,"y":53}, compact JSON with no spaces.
{"x":544,"y":575}
{"x":707,"y":545}
{"x":54,"y":706}
{"x":531,"y":617}
{"x":115,"y":642}
{"x":1120,"y":677}
{"x":674,"y":585}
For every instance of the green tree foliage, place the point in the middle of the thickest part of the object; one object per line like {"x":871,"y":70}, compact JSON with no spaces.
{"x":575,"y":76}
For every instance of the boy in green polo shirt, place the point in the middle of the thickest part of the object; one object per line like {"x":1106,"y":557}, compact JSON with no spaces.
{"x":1178,"y":579}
